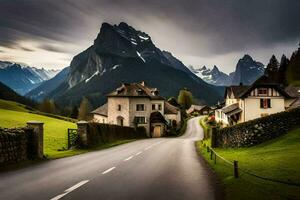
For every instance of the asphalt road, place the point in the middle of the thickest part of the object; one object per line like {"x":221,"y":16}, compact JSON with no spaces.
{"x":162,"y":168}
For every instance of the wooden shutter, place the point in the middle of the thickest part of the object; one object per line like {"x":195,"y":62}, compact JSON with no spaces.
{"x":261,"y":103}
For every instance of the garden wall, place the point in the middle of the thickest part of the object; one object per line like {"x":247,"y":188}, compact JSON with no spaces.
{"x":91,"y":134}
{"x":16,"y":145}
{"x":259,"y":130}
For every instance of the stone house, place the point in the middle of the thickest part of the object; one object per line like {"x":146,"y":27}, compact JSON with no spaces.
{"x":136,"y":104}
{"x":262,"y":98}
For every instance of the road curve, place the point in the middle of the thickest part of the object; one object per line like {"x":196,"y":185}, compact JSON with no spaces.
{"x":162,"y":168}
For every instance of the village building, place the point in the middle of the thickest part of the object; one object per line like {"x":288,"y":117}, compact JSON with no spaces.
{"x":262,"y":98}
{"x":199,"y":109}
{"x":137,"y":105}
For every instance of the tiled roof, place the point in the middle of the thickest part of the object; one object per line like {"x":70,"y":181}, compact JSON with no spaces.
{"x":195,"y":108}
{"x":136,"y":90}
{"x":231,"y":108}
{"x":102,"y":110}
{"x":170,"y":109}
{"x":237,"y":91}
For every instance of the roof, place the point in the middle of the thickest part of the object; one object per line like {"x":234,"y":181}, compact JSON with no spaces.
{"x":170,"y":109}
{"x":102,"y":110}
{"x":295,"y":104}
{"x":196,"y":108}
{"x":236,"y":91}
{"x":293,"y":91}
{"x":157,"y":117}
{"x":232,"y":109}
{"x":136,"y":90}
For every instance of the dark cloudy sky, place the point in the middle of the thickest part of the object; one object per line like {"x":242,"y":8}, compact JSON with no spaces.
{"x":48,"y":33}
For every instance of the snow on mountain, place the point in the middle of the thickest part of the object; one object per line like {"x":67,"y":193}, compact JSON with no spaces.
{"x":22,"y":78}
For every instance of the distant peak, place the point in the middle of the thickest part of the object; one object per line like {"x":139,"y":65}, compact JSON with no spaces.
{"x":247,"y":57}
{"x":215,"y":68}
{"x":203,"y":68}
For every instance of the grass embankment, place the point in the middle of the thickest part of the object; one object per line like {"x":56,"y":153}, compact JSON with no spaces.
{"x":277,"y":159}
{"x":13,"y":114}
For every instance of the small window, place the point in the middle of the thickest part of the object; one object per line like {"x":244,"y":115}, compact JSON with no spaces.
{"x":119,"y":107}
{"x":153,"y":106}
{"x":265,"y":103}
{"x":140,"y":107}
{"x":140,"y":120}
{"x":159,"y":106}
{"x":262,"y":91}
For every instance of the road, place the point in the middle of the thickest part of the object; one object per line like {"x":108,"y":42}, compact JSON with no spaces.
{"x":162,"y":168}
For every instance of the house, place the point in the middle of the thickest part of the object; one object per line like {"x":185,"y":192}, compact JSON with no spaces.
{"x":202,"y":110}
{"x":136,"y":104}
{"x":262,"y":98}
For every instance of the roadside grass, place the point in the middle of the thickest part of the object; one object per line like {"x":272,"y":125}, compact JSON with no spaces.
{"x":277,"y":159}
{"x":13,"y":114}
{"x":55,"y":130}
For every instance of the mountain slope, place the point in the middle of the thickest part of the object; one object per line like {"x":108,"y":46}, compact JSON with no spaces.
{"x":122,"y":54}
{"x":41,"y":92}
{"x":23,"y":78}
{"x":7,"y":93}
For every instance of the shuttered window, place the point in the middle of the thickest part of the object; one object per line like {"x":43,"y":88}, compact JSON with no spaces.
{"x":265,"y":103}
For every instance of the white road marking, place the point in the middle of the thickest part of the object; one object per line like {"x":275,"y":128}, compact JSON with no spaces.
{"x":128,"y":158}
{"x":138,"y":153}
{"x":148,"y":147}
{"x":67,"y":191}
{"x":110,"y":169}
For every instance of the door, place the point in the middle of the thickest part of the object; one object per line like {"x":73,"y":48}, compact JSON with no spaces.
{"x":157,"y":131}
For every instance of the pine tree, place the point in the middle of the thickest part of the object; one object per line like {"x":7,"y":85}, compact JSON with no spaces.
{"x":45,"y":106}
{"x":74,"y":113}
{"x":84,"y":109}
{"x":185,"y":98}
{"x":282,"y":72}
{"x":293,"y":72}
{"x":272,"y":67}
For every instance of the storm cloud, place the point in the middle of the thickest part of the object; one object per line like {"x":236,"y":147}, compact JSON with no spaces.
{"x":198,"y":32}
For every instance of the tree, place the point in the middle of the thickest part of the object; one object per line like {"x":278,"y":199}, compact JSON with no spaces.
{"x":84,"y":109}
{"x":74,"y":112}
{"x":272,"y":67}
{"x":282,"y":72}
{"x":293,"y":72}
{"x":185,"y":98}
{"x":48,"y":106}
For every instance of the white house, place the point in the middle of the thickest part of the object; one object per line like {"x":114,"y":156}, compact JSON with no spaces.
{"x":262,"y":98}
{"x":136,"y":104}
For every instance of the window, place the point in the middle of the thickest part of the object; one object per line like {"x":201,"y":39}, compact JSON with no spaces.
{"x":119,"y":107}
{"x":140,"y":120}
{"x":140,"y":107}
{"x":153,"y":106}
{"x":159,"y":106}
{"x":262,"y":91}
{"x":265,"y":103}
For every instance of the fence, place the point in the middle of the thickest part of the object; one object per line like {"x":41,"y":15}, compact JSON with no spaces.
{"x":236,"y":170}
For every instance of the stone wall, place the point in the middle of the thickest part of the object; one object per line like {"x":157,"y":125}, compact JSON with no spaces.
{"x":15,"y":145}
{"x":259,"y":130}
{"x":91,"y":134}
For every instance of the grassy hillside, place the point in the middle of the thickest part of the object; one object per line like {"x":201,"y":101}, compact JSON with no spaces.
{"x":55,"y":137}
{"x":277,"y":159}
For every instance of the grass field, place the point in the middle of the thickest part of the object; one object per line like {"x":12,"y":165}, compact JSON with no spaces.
{"x":276,"y":159}
{"x":55,"y":130}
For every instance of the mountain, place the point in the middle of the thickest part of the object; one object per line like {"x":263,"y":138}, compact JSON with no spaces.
{"x":212,"y":76}
{"x":122,"y":54}
{"x":7,"y":93}
{"x":247,"y":71}
{"x":22,"y":78}
{"x":42,"y":91}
